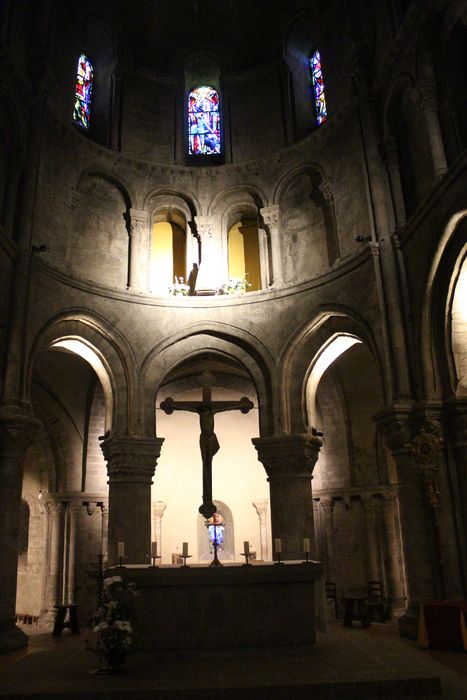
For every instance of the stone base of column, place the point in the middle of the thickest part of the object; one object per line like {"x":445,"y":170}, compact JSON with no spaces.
{"x":408,"y":623}
{"x":12,"y":638}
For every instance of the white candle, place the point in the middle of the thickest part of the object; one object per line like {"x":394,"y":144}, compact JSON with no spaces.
{"x":246,"y":547}
{"x":306,"y":545}
{"x":278,"y":545}
{"x":121,"y":550}
{"x":154,"y":549}
{"x":185,"y":549}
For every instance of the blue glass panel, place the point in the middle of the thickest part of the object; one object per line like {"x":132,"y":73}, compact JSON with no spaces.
{"x":204,"y":130}
{"x":318,"y":88}
{"x":82,"y":108}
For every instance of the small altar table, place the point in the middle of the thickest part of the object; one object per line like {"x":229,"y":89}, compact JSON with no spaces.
{"x":199,"y":607}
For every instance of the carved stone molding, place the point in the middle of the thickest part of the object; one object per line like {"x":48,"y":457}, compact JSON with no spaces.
{"x":425,"y":98}
{"x":17,"y":431}
{"x":326,"y":190}
{"x":395,"y":427}
{"x":131,"y":460}
{"x":204,"y":226}
{"x":288,"y":456}
{"x":139,"y":221}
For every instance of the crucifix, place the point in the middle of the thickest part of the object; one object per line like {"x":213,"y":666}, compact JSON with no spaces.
{"x":208,"y":442}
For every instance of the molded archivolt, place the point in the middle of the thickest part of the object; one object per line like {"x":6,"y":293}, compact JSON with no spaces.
{"x":99,"y":242}
{"x":109,"y":355}
{"x":443,"y":322}
{"x":206,"y":338}
{"x":308,"y":224}
{"x":301,"y":354}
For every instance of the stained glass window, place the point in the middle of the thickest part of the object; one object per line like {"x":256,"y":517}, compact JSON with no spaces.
{"x":216,"y":527}
{"x":204,"y":130}
{"x":318,"y":88}
{"x":82,"y":109}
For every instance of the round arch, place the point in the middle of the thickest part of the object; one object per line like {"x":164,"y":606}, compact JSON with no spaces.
{"x":314,"y":340}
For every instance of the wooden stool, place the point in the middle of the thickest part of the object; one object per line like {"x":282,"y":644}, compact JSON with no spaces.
{"x":362,"y":616}
{"x":72,"y":622}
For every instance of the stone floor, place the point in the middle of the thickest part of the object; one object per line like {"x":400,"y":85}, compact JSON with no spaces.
{"x":345,"y":663}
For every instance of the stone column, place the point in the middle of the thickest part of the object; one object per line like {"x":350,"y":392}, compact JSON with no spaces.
{"x":17,"y":430}
{"x":131,"y":463}
{"x":211,"y":269}
{"x":104,"y":530}
{"x":158,"y":510}
{"x":392,"y":553}
{"x":271,"y":219}
{"x":327,"y":506}
{"x":139,"y":250}
{"x":391,"y":160}
{"x":55,"y":511}
{"x":289,"y":461}
{"x":261,"y":508}
{"x":416,"y":528}
{"x":74,"y":510}
{"x":427,"y":103}
{"x":264,"y":258}
{"x":368,"y":503}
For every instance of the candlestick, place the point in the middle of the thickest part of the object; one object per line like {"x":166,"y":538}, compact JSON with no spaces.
{"x":246,"y":547}
{"x":185,"y":549}
{"x":154,"y":550}
{"x":306,"y":545}
{"x":278,"y":545}
{"x":121,"y":550}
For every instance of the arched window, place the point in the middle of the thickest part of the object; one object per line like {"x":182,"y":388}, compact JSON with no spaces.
{"x":84,"y":76}
{"x":204,"y":128}
{"x":244,"y":254}
{"x":318,"y":88}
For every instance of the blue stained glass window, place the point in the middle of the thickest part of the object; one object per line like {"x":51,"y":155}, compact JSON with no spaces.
{"x":216,"y":527}
{"x":318,"y":88}
{"x":204,"y":129}
{"x":82,"y":108}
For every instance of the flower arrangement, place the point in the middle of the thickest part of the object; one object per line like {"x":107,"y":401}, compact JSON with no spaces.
{"x":113,"y":633}
{"x":179,"y":288}
{"x":235,"y":285}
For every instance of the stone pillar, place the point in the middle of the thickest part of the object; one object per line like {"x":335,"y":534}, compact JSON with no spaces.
{"x":158,"y":510}
{"x":327,"y":506}
{"x":369,"y":505}
{"x":261,"y":508}
{"x":416,"y":528}
{"x":392,"y":553}
{"x":104,"y":530}
{"x":74,"y":510}
{"x":211,"y":269}
{"x":264,"y":258}
{"x":427,"y":103}
{"x":55,"y":511}
{"x":139,"y":250}
{"x":271,"y":219}
{"x":131,"y":463}
{"x":17,"y":430}
{"x":391,"y":160}
{"x":289,"y":461}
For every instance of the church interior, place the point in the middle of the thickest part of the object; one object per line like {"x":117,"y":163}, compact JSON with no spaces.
{"x":222,"y":202}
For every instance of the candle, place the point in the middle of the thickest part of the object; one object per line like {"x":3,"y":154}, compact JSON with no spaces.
{"x":154,"y":549}
{"x":306,"y":545}
{"x":246,"y":547}
{"x":121,"y":550}
{"x":278,"y":545}
{"x":185,"y":549}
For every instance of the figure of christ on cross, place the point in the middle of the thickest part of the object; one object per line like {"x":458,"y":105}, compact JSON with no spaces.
{"x":208,"y":442}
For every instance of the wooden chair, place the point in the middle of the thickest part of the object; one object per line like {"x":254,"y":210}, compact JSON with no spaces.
{"x":72,"y":622}
{"x":377,"y":605}
{"x":331,"y":595}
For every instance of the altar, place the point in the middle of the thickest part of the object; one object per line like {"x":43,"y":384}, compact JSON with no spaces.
{"x":232,"y":606}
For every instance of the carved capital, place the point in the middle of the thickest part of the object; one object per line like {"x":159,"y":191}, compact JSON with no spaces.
{"x":55,"y":508}
{"x":158,"y":509}
{"x":288,"y":456}
{"x":326,"y":190}
{"x":394,"y":424}
{"x":270,"y":215}
{"x":327,"y":504}
{"x":204,"y":226}
{"x":139,"y":222}
{"x":425,"y":98}
{"x":17,"y":431}
{"x":261,"y":507}
{"x":131,"y":460}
